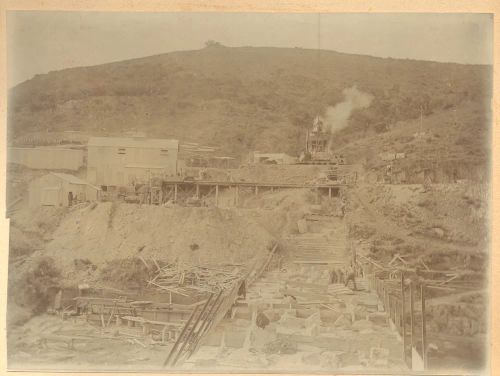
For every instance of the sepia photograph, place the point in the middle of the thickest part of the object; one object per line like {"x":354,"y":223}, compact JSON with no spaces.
{"x":210,"y":192}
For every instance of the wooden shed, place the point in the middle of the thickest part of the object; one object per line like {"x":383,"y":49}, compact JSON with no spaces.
{"x":58,"y":189}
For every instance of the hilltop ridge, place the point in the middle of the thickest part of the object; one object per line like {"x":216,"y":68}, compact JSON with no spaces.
{"x":247,"y":98}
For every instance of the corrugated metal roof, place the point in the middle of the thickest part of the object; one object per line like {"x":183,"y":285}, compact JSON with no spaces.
{"x":70,"y":178}
{"x":131,"y":142}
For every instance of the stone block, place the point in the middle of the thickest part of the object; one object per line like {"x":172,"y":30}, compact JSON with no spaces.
{"x":311,"y":359}
{"x":242,"y":313}
{"x":362,"y":325}
{"x":330,"y":360}
{"x":378,"y":354}
{"x":234,"y":338}
{"x":272,"y":314}
{"x":342,"y":322}
{"x":260,"y":337}
{"x":302,"y":226}
{"x":329,"y":316}
{"x":213,"y":339}
{"x":378,"y":318}
{"x":291,"y":322}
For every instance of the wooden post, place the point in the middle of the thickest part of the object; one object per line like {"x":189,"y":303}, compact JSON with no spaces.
{"x":197,"y":191}
{"x":192,"y":330}
{"x":403,"y":313}
{"x":394,"y":312}
{"x":256,"y":190}
{"x":175,"y":192}
{"x":424,"y":339}
{"x":385,"y":298}
{"x":411,"y":316}
{"x":149,"y":188}
{"x":216,"y":195}
{"x":237,"y":189}
{"x":397,"y":313}
{"x":165,"y":334}
{"x":183,"y":332}
{"x":392,"y":308}
{"x":330,"y":193}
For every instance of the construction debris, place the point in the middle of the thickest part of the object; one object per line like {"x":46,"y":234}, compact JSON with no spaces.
{"x":183,"y":279}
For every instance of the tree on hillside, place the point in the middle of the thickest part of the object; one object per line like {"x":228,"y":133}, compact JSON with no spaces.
{"x":212,"y":43}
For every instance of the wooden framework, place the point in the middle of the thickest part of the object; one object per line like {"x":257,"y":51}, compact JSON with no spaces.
{"x":177,"y":190}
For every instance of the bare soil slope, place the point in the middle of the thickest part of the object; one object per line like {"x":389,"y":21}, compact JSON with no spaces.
{"x":193,"y":235}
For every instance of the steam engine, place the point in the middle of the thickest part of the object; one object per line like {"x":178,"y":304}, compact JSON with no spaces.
{"x":317,"y":146}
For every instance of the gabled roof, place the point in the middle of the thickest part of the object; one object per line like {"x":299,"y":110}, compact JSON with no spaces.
{"x":133,"y":142}
{"x":73,"y":179}
{"x":70,"y":178}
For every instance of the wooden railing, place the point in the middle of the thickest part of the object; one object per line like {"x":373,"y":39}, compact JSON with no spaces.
{"x":398,"y":299}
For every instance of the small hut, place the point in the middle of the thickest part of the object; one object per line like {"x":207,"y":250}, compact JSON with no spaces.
{"x":59,"y":189}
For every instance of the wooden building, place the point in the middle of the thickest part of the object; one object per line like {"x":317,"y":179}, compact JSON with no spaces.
{"x":117,"y":162}
{"x":273,"y":158}
{"x":47,"y":158}
{"x":58,"y":189}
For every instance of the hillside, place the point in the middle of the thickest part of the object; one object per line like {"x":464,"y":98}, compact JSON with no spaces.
{"x":247,"y":98}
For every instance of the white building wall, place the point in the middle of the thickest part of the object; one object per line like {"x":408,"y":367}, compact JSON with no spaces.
{"x":106,"y":165}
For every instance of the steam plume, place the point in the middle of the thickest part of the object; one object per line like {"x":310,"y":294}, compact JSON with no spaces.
{"x":336,"y":117}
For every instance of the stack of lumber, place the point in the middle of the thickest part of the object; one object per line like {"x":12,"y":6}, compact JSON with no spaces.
{"x":185,"y":280}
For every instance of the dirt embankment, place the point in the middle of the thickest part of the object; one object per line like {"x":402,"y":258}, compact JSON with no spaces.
{"x":31,"y":229}
{"x":447,"y":217}
{"x":445,"y":226}
{"x":109,"y":231}
{"x":81,"y":243}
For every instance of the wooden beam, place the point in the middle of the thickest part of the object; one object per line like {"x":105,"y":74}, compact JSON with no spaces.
{"x":424,"y":264}
{"x":180,"y":337}
{"x":217,"y":195}
{"x":411,"y":318}
{"x":175,"y":192}
{"x":393,"y":259}
{"x":253,"y":184}
{"x":403,"y":314}
{"x":325,"y":262}
{"x":424,"y":336}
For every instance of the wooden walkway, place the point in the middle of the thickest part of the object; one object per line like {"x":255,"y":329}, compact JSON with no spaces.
{"x":197,"y":188}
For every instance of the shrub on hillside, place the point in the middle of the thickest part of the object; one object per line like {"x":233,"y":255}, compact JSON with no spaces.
{"x":36,"y":287}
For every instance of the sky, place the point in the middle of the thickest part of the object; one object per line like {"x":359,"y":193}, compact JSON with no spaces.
{"x":41,"y":41}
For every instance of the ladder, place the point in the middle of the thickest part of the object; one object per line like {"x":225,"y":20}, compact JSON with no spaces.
{"x":198,"y":323}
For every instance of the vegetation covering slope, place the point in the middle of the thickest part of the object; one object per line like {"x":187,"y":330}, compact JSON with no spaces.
{"x":249,"y":98}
